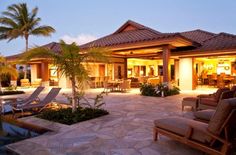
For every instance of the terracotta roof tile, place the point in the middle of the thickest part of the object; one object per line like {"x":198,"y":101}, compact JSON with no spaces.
{"x":132,"y":32}
{"x":53,"y":46}
{"x":139,"y":34}
{"x":222,"y":41}
{"x":198,"y":35}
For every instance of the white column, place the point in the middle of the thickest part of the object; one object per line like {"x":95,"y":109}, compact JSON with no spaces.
{"x":64,"y":82}
{"x":186,"y":73}
{"x":33,"y":71}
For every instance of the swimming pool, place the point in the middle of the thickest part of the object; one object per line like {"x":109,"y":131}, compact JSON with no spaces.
{"x":12,"y":131}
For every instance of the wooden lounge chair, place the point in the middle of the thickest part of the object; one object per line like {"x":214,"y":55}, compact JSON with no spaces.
{"x":204,"y":115}
{"x":41,"y":104}
{"x":212,"y":138}
{"x":212,"y":102}
{"x":214,"y":95}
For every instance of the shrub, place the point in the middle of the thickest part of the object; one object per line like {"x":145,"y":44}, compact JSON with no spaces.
{"x":11,"y":92}
{"x":157,"y":90}
{"x":65,"y":116}
{"x":148,"y":90}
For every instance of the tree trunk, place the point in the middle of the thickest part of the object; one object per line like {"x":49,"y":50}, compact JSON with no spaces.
{"x":0,"y":85}
{"x":26,"y":50}
{"x":74,"y":97}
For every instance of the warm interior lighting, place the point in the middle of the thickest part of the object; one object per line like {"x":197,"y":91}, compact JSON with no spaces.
{"x":129,"y":72}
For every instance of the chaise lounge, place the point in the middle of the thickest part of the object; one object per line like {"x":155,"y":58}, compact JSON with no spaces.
{"x":199,"y":135}
{"x":40,"y":104}
{"x":212,"y":102}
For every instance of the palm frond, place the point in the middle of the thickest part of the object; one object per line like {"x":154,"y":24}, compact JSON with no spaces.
{"x":8,"y":22}
{"x":43,"y":30}
{"x":19,"y":21}
{"x":37,"y":52}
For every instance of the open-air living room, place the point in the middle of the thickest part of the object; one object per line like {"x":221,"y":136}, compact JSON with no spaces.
{"x":129,"y":90}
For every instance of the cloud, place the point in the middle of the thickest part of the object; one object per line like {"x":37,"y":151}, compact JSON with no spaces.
{"x":79,"y":39}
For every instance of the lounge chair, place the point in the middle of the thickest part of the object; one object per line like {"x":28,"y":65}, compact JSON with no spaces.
{"x":12,"y":102}
{"x":214,"y":95}
{"x":31,"y":98}
{"x":204,"y":115}
{"x":212,"y":102}
{"x":212,"y":138}
{"x":41,"y":104}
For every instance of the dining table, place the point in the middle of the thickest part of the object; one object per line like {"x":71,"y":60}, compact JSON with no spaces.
{"x":115,"y":84}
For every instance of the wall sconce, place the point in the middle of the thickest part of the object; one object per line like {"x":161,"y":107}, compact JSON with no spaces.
{"x":141,"y":72}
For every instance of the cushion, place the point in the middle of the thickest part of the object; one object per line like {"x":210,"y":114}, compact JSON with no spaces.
{"x":206,"y":95}
{"x":194,"y":99}
{"x":227,"y":94}
{"x":180,"y":125}
{"x":208,"y":101}
{"x":233,"y":89}
{"x":204,"y":114}
{"x":222,"y":112}
{"x":219,"y":92}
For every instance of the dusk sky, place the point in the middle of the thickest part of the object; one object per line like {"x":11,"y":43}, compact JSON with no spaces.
{"x":83,"y":21}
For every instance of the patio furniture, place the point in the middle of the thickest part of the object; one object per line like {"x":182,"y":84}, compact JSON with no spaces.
{"x":94,"y":82}
{"x":40,"y":104}
{"x":125,"y":85}
{"x":212,"y":102}
{"x":24,"y":83}
{"x":190,"y":101}
{"x":36,"y":83}
{"x":101,"y":81}
{"x":204,"y":115}
{"x":115,"y":85}
{"x":214,"y":95}
{"x":135,"y":82}
{"x":213,"y":80}
{"x":108,"y":87}
{"x":14,"y":102}
{"x":213,"y":138}
{"x":233,"y":88}
{"x":154,"y":81}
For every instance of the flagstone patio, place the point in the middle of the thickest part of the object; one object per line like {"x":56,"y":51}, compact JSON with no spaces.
{"x":127,"y":130}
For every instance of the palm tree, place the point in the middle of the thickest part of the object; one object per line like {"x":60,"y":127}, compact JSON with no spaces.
{"x":71,"y":62}
{"x":17,"y":21}
{"x":6,"y":68}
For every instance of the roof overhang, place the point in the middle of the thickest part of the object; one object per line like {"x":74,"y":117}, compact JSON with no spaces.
{"x":182,"y":54}
{"x":175,"y":42}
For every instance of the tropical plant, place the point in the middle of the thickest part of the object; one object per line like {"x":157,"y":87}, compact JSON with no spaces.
{"x":6,"y":68}
{"x":71,"y":62}
{"x":18,"y":21}
{"x":65,"y":116}
{"x":159,"y":90}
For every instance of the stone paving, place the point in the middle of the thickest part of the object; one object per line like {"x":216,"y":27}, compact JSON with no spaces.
{"x":127,"y":130}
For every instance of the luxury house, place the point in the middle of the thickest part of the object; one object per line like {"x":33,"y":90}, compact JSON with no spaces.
{"x":188,"y":58}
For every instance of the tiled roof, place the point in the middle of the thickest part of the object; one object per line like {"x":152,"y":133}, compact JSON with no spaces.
{"x":132,"y":32}
{"x":198,"y":35}
{"x":139,"y":34}
{"x":53,"y":46}
{"x":222,"y":41}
